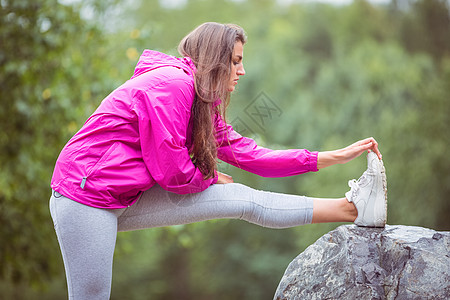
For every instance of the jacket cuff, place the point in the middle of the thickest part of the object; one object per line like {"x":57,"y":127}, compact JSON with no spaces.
{"x":313,"y":161}
{"x":216,"y":178}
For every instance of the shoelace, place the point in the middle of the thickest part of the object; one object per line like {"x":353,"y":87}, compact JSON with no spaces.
{"x":355,"y":185}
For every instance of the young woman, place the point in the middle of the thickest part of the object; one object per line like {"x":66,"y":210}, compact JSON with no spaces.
{"x":147,"y":158}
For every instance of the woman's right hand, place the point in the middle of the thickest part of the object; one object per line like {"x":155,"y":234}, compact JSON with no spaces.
{"x":356,"y":149}
{"x":224,"y":178}
{"x":344,"y":155}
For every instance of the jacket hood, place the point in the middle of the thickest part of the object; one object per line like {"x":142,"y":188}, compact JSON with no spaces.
{"x":151,"y":60}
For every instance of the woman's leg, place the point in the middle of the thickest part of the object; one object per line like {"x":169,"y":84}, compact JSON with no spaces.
{"x":333,"y":210}
{"x":158,"y":207}
{"x":87,"y":238}
{"x":365,"y":203}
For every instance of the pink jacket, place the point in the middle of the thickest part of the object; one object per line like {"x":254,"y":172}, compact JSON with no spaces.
{"x":140,"y":135}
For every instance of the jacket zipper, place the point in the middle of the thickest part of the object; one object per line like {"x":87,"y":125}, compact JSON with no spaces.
{"x":99,"y":162}
{"x":83,"y":182}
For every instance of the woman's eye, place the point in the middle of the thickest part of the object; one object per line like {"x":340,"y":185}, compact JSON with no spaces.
{"x":235,"y":63}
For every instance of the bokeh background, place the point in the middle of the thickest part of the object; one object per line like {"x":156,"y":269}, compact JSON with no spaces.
{"x":319,"y":76}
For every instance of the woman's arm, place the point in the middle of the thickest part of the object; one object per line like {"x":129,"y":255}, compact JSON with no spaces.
{"x":244,"y":153}
{"x":344,"y":155}
{"x":163,"y":113}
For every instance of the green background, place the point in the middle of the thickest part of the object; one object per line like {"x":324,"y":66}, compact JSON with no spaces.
{"x":335,"y":73}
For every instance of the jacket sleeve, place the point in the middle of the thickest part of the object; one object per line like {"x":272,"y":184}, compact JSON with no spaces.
{"x":244,"y":153}
{"x":163,"y":115}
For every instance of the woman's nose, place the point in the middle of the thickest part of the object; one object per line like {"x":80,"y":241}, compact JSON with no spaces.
{"x":240,"y":71}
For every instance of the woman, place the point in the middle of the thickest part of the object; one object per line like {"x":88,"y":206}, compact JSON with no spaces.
{"x":147,"y":158}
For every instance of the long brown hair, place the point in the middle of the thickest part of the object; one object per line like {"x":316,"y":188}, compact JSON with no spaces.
{"x":210,"y":46}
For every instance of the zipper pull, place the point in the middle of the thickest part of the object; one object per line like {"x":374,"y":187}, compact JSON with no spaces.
{"x":83,"y":182}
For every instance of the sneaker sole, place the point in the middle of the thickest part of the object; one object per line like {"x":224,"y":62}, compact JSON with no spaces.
{"x":384,"y":179}
{"x":381,"y":204}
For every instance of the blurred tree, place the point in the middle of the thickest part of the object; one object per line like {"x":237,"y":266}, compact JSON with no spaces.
{"x":51,"y":67}
{"x":425,"y":27}
{"x":337,"y":73}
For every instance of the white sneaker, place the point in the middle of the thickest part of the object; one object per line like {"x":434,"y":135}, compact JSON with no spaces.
{"x":369,"y":194}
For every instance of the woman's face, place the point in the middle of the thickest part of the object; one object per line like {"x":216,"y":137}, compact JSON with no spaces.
{"x":237,"y":67}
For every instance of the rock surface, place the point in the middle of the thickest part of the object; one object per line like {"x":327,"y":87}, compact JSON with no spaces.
{"x":350,"y":262}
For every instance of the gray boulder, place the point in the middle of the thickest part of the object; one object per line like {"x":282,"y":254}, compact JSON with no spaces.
{"x":350,"y":262}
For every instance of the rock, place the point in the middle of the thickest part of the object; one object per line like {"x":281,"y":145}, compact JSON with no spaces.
{"x":350,"y":262}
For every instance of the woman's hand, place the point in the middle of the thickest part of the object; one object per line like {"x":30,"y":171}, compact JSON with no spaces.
{"x":348,"y":153}
{"x":224,"y":178}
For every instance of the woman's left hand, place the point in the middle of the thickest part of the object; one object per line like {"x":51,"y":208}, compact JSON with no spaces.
{"x":224,"y":178}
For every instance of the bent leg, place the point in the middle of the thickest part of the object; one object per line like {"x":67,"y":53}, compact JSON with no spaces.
{"x":87,"y":238}
{"x":157,"y":208}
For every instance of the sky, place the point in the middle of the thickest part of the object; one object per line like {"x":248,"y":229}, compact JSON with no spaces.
{"x":88,"y":13}
{"x":337,"y":2}
{"x":176,"y":3}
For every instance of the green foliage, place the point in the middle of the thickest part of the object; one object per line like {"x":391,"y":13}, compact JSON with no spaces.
{"x":337,"y":73}
{"x":48,"y":61}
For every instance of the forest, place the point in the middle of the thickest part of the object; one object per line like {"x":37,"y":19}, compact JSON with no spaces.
{"x":318,"y":76}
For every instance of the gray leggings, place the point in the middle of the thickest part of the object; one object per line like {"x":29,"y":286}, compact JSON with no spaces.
{"x":87,"y":235}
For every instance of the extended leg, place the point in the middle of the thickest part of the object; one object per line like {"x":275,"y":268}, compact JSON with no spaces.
{"x":333,"y":210}
{"x":158,"y":207}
